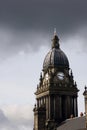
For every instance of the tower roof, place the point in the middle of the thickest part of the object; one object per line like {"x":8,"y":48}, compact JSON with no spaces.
{"x":55,"y":57}
{"x":72,"y":124}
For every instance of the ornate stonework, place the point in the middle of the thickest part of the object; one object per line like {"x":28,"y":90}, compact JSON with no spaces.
{"x":56,"y":92}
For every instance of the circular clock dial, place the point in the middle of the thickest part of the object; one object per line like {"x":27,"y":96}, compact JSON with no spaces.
{"x":60,"y":75}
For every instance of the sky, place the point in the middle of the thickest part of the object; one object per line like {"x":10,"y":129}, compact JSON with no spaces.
{"x":26,"y":30}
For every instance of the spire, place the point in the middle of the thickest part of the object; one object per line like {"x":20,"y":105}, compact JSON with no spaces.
{"x":54,"y":31}
{"x":55,"y":40}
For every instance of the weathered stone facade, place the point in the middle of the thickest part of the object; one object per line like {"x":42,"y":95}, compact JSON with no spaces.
{"x":85,"y":98}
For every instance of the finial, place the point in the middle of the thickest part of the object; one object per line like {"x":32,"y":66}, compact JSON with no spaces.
{"x":71,"y":73}
{"x":35,"y":106}
{"x":54,"y":31}
{"x":85,"y":88}
{"x":75,"y":84}
{"x":85,"y":92}
{"x":55,"y":40}
{"x":41,"y":76}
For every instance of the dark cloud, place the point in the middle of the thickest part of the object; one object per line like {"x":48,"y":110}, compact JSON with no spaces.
{"x":43,"y":14}
{"x":26,"y":19}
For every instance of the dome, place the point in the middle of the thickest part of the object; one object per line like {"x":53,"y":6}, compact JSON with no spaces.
{"x":55,"y":57}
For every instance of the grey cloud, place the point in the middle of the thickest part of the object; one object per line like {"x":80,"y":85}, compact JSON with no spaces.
{"x":43,"y":14}
{"x":3,"y":118}
{"x":8,"y":124}
{"x":14,"y":42}
{"x":4,"y":122}
{"x":26,"y":21}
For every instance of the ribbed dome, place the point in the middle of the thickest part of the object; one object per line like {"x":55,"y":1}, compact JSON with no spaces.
{"x":55,"y":57}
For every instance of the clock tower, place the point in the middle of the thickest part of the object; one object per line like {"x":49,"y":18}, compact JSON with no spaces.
{"x":57,"y":92}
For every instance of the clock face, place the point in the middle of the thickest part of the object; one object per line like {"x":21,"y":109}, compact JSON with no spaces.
{"x":60,"y":75}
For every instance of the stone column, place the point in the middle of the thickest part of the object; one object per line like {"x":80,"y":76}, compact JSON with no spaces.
{"x":76,"y":107}
{"x":51,"y":107}
{"x":68,"y":111}
{"x":73,"y":106}
{"x":47,"y":108}
{"x":37,"y":102}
